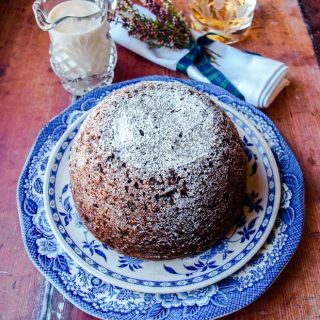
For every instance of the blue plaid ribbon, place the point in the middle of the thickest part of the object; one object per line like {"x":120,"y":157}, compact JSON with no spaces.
{"x":197,"y":57}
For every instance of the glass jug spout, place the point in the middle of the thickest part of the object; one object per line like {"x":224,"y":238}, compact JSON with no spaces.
{"x":40,"y":16}
{"x":42,"y":9}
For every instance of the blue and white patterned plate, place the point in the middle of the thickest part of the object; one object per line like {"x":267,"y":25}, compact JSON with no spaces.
{"x":107,"y":301}
{"x":169,"y":276}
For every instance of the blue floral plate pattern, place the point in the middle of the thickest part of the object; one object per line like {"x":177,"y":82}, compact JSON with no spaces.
{"x":107,"y":301}
{"x":178,"y":275}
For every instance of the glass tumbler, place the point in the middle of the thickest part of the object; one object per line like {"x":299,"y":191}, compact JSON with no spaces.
{"x":229,"y":19}
{"x":82,"y":53}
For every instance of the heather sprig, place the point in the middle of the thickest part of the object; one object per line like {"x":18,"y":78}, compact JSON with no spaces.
{"x":168,"y":29}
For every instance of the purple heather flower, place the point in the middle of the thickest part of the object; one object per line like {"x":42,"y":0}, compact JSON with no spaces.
{"x":169,"y":30}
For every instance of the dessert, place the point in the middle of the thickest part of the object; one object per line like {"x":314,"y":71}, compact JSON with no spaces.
{"x":158,"y":171}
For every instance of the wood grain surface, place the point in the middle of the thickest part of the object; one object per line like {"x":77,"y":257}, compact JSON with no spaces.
{"x":30,"y":95}
{"x":311,"y":13}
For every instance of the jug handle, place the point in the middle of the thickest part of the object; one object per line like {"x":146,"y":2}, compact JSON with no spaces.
{"x":112,"y":5}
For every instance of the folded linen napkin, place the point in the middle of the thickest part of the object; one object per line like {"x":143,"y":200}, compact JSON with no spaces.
{"x":259,"y":79}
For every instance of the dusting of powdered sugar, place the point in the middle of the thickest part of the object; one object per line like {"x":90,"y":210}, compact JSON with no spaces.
{"x":159,"y":128}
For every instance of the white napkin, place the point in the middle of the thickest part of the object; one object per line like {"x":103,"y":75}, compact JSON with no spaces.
{"x":259,"y":79}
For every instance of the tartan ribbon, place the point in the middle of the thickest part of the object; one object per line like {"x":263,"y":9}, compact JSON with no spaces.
{"x":197,"y":57}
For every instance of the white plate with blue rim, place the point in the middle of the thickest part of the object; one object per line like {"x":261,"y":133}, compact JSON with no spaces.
{"x":168,"y":276}
{"x":106,"y":301}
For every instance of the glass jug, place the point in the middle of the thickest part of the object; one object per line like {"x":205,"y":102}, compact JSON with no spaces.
{"x":82,"y":53}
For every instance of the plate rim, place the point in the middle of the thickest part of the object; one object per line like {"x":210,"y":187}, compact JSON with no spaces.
{"x":252,"y":293}
{"x":165,"y":289}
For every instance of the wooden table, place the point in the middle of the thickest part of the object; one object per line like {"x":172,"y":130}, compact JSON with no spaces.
{"x":30,"y":95}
